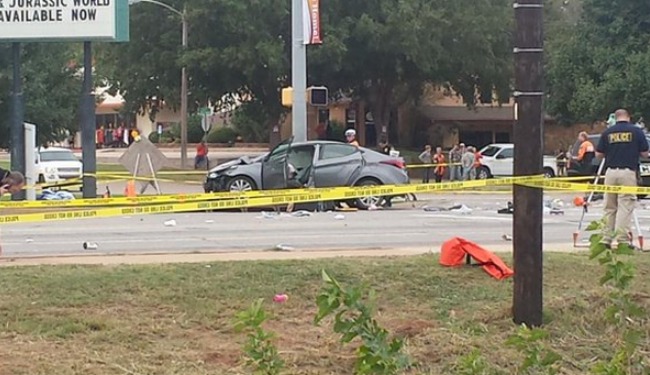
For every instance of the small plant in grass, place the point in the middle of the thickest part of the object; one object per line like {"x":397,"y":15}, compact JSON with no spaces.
{"x":473,"y":363}
{"x":625,"y":315}
{"x":353,"y":318}
{"x":262,"y":354}
{"x":539,"y":359}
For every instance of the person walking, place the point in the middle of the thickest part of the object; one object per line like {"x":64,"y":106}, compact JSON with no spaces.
{"x":621,"y":145}
{"x":426,"y":158}
{"x":439,"y":161}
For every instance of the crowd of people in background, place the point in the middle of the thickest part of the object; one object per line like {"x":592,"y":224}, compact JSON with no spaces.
{"x":115,"y":137}
{"x":463,"y":163}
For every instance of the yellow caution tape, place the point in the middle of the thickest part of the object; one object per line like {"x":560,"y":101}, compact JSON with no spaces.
{"x":288,"y":196}
{"x":335,"y":192}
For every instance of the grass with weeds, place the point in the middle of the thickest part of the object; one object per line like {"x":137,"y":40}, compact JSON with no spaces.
{"x":177,"y":319}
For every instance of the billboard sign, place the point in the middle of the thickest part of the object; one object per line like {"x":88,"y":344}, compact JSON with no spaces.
{"x":64,"y":20}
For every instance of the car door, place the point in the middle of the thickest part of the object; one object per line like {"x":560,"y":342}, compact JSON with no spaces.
{"x":503,"y":164}
{"x":274,"y":166}
{"x":336,"y":164}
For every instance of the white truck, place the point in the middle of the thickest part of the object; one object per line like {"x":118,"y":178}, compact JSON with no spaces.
{"x":56,"y":164}
{"x":498,"y":161}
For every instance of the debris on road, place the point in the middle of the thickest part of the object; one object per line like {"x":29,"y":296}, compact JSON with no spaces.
{"x":461,"y":209}
{"x":339,"y":217}
{"x":209,"y":221}
{"x":29,"y":240}
{"x":283,"y":247}
{"x":301,"y":213}
{"x":90,"y":246}
{"x":61,"y":195}
{"x":170,"y":223}
{"x":509,"y":210}
{"x":268,"y":215}
{"x":506,"y":237}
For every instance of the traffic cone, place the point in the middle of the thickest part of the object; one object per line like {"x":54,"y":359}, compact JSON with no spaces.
{"x":129,"y":191}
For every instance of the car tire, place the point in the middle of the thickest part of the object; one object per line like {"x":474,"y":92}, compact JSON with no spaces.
{"x":366,"y":202}
{"x":240,"y":184}
{"x":548,"y":173}
{"x":483,"y":173}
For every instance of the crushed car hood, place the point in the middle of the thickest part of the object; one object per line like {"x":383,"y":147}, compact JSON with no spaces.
{"x":244,"y":160}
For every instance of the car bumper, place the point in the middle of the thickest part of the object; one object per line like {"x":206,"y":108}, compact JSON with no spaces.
{"x":217,"y":184}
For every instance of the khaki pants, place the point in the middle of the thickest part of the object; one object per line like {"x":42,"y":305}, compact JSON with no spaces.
{"x":619,"y":208}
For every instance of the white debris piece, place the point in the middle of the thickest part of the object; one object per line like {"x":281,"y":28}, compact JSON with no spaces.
{"x":90,"y":246}
{"x":301,"y":213}
{"x":506,"y":237}
{"x":339,"y":217}
{"x":209,"y":221}
{"x":29,"y":240}
{"x":170,"y":223}
{"x":268,"y":215}
{"x":463,"y":210}
{"x":283,"y":247}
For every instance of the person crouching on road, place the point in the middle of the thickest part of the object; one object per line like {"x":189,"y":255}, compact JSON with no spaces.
{"x":621,"y":145}
{"x":351,"y":137}
{"x":10,"y":182}
{"x":439,"y":161}
{"x":426,"y":158}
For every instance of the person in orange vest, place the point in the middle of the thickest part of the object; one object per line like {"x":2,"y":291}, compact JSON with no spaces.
{"x":99,"y":137}
{"x":439,"y":160}
{"x":586,"y":154}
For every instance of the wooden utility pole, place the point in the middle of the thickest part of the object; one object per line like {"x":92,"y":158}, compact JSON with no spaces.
{"x":528,"y":201}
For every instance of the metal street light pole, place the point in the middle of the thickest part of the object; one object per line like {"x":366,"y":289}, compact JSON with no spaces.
{"x":298,"y":72}
{"x":184,"y":94}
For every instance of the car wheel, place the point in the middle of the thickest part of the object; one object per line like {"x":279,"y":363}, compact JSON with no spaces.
{"x":240,"y":184}
{"x":365,"y":203}
{"x":548,"y":173}
{"x":483,"y":173}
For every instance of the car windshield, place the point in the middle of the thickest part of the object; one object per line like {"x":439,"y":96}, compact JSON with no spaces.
{"x":57,"y":156}
{"x":490,"y":151}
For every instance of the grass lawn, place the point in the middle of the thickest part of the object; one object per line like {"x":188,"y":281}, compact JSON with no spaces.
{"x":177,"y":319}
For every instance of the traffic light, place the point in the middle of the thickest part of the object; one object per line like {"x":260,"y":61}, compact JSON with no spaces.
{"x":318,"y":96}
{"x":315,"y":96}
{"x":287,"y":96}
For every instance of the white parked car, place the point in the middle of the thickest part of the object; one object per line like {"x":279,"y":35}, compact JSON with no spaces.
{"x":56,"y":164}
{"x":498,"y":161}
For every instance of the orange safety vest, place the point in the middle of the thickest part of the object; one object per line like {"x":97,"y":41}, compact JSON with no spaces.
{"x":458,"y":251}
{"x":440,"y":169}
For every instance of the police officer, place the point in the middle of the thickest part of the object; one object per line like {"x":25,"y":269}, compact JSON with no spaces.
{"x":621,"y":145}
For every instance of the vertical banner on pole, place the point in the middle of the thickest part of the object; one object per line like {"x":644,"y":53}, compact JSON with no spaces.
{"x":311,"y":22}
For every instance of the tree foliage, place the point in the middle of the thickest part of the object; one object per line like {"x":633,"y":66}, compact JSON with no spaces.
{"x":381,"y":51}
{"x":602,"y":62}
{"x":51,"y":88}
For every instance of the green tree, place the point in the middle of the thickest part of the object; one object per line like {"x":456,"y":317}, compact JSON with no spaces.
{"x":147,"y":70}
{"x":52,"y":89}
{"x":383,"y":51}
{"x":602,"y":62}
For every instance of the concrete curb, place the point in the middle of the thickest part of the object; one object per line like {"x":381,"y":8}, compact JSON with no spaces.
{"x":225,"y":256}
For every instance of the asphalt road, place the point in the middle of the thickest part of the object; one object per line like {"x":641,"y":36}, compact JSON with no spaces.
{"x":402,"y":227}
